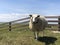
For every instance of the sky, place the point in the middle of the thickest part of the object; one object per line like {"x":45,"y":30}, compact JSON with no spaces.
{"x":15,"y":9}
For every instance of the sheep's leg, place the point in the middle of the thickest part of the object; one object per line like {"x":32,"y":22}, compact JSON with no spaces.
{"x":36,"y":35}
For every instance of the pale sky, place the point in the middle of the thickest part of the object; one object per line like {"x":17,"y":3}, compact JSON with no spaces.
{"x":12,"y":9}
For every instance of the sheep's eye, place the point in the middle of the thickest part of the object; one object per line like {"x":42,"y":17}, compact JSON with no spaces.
{"x":38,"y":16}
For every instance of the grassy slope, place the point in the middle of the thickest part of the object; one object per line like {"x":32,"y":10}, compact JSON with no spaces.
{"x":24,"y":37}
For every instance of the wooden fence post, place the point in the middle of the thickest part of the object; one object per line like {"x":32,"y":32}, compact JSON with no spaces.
{"x":59,"y":23}
{"x":9,"y":26}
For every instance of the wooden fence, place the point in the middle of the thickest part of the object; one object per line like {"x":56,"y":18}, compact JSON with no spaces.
{"x":24,"y":23}
{"x":20,"y":23}
{"x":52,"y":22}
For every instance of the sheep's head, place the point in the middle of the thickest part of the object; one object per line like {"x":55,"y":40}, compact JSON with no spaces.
{"x":34,"y":18}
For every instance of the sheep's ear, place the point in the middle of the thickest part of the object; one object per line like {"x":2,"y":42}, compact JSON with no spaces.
{"x":38,"y":16}
{"x":30,"y":15}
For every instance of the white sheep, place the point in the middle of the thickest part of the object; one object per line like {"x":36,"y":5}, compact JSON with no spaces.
{"x":37,"y":23}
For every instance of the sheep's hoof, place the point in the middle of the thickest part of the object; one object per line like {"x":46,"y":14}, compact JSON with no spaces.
{"x":36,"y":38}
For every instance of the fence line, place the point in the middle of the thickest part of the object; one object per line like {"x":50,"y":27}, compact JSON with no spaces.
{"x":55,"y":21}
{"x":12,"y":23}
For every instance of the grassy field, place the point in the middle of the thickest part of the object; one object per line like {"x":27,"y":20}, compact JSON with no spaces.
{"x":23,"y":36}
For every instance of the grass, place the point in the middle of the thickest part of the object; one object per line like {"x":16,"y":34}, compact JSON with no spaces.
{"x":26,"y":37}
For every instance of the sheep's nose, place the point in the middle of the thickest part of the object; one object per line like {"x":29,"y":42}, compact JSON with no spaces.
{"x":33,"y":22}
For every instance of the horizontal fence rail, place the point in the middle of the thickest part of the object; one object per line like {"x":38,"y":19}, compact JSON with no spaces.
{"x":53,"y":21}
{"x":51,"y":16}
{"x":20,"y":19}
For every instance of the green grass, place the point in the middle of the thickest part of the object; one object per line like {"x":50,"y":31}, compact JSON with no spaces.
{"x":24,"y":36}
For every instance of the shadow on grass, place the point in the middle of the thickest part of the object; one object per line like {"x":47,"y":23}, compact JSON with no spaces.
{"x":47,"y":40}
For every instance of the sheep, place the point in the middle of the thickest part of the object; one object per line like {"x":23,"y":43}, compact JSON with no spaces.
{"x":37,"y":23}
